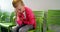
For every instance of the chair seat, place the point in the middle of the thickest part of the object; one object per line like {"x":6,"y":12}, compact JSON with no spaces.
{"x":6,"y":24}
{"x":50,"y":31}
{"x":31,"y":30}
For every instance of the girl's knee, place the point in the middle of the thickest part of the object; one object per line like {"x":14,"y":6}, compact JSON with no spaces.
{"x":22,"y":30}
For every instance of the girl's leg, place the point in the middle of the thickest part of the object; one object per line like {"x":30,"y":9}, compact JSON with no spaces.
{"x":26,"y":28}
{"x":15,"y":28}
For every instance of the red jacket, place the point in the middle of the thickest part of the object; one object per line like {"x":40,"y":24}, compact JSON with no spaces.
{"x":30,"y":18}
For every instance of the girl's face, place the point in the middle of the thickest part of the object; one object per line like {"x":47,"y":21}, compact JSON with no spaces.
{"x":20,"y":8}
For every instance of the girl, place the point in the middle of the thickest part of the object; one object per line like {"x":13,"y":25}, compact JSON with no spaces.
{"x":24,"y":17}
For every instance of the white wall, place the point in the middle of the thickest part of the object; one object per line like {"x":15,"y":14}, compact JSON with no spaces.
{"x":53,"y":4}
{"x":36,"y":4}
{"x":6,"y":5}
{"x":43,"y":4}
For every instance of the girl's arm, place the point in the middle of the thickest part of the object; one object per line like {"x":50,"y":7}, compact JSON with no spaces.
{"x":19,"y":22}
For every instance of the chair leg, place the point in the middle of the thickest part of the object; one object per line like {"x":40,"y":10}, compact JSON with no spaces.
{"x":8,"y":29}
{"x":0,"y":28}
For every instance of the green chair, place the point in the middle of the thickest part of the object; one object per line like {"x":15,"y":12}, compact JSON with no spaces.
{"x":39,"y":15}
{"x":12,"y":18}
{"x":5,"y":20}
{"x":5,"y":17}
{"x":39,"y":20}
{"x":0,"y":15}
{"x":0,"y":18}
{"x":53,"y":20}
{"x":11,"y":22}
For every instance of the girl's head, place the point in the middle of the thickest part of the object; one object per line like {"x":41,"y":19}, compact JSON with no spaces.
{"x":18,"y":5}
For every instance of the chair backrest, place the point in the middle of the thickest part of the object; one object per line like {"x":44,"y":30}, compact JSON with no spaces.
{"x":39,"y":15}
{"x":12,"y":17}
{"x":53,"y":19}
{"x":5,"y":17}
{"x":39,"y":19}
{"x":0,"y":15}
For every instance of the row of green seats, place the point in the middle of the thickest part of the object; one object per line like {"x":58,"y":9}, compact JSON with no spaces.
{"x":39,"y":15}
